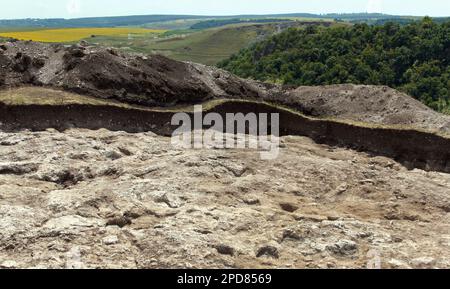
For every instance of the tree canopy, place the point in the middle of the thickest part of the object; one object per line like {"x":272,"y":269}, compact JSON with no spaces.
{"x":413,"y":58}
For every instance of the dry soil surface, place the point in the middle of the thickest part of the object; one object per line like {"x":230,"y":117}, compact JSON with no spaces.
{"x":101,"y":199}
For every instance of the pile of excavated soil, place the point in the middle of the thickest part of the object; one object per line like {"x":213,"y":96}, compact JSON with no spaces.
{"x":101,"y":199}
{"x":110,"y":74}
{"x":159,"y":81}
{"x":365,"y":103}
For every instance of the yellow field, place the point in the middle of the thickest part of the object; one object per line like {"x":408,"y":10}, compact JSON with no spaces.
{"x":75,"y":34}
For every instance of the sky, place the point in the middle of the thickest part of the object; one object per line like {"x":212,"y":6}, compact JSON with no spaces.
{"x":14,"y":9}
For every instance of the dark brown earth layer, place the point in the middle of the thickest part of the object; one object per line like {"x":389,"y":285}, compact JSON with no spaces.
{"x":428,"y":152}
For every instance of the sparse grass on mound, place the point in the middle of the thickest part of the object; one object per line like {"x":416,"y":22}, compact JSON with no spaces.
{"x":45,"y":96}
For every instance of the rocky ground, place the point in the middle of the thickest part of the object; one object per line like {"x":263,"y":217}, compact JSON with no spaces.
{"x":101,"y":199}
{"x":154,"y":80}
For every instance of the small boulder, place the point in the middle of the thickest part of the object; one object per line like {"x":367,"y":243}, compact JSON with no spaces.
{"x":269,"y":251}
{"x":224,"y":249}
{"x":288,"y":207}
{"x":17,"y":168}
{"x":343,"y":248}
{"x":110,"y":240}
{"x":423,"y":262}
{"x":119,"y":221}
{"x":9,"y":265}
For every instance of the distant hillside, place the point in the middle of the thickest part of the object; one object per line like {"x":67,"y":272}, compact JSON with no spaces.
{"x":145,"y":19}
{"x":206,"y":46}
{"x":414,"y":58}
{"x":222,"y":22}
{"x":95,"y":22}
{"x":399,"y":20}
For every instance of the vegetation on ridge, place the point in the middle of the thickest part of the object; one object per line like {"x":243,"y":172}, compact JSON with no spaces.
{"x":413,"y":58}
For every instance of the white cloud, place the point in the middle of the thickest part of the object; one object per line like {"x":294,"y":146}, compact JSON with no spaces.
{"x":375,"y":6}
{"x":73,"y":7}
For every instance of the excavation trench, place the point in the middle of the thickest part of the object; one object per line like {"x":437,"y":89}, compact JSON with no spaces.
{"x":412,"y":148}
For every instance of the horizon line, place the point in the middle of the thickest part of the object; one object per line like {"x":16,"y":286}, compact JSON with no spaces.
{"x":223,"y":15}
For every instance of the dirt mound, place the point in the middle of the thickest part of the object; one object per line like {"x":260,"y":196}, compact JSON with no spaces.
{"x":159,"y":81}
{"x":107,"y":73}
{"x":101,"y":199}
{"x":364,"y":103}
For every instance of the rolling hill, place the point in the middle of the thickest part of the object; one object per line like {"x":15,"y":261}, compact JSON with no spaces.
{"x":206,"y":46}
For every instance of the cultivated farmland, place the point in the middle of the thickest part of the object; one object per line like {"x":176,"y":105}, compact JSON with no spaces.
{"x":75,"y":34}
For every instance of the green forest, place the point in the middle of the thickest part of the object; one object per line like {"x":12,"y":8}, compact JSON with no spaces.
{"x":413,"y":58}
